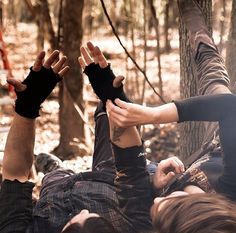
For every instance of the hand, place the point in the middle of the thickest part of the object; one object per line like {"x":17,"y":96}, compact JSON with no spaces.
{"x":129,"y":114}
{"x":166,"y":171}
{"x":105,"y":84}
{"x":39,"y":83}
{"x":57,"y":68}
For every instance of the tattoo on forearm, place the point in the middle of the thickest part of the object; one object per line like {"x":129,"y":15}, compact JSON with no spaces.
{"x":116,"y":133}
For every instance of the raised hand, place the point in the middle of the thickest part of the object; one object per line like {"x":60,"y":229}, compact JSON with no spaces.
{"x":40,"y":82}
{"x":105,"y":84}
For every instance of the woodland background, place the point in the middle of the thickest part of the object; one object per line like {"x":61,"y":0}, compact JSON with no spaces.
{"x":154,"y":58}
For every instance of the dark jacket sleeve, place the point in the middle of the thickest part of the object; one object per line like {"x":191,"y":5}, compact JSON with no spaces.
{"x":133,"y":185}
{"x":15,"y":206}
{"x":221,"y":108}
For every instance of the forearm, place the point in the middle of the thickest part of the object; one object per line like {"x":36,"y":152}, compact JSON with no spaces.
{"x":18,"y":155}
{"x":166,"y":113}
{"x":124,"y":137}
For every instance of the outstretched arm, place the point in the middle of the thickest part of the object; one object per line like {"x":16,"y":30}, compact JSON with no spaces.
{"x":129,"y":114}
{"x":200,"y":108}
{"x":18,"y":156}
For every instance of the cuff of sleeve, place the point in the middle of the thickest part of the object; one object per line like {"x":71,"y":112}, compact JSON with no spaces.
{"x":16,"y":186}
{"x":180,"y":106}
{"x":134,"y":156}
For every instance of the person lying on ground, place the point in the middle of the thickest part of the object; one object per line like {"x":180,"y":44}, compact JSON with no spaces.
{"x":215,"y":171}
{"x":115,"y":196}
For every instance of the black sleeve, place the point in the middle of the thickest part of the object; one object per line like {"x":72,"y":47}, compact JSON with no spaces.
{"x":206,"y":108}
{"x":133,"y":185}
{"x":221,"y":108}
{"x":15,"y":206}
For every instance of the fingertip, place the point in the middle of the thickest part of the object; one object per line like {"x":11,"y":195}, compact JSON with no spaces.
{"x":119,"y":101}
{"x":90,"y":45}
{"x":171,"y":174}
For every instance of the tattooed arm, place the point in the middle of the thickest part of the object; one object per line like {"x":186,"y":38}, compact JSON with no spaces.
{"x":132,"y":180}
{"x":124,"y":137}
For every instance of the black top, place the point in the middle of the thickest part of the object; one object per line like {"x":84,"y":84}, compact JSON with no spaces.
{"x":220,"y":108}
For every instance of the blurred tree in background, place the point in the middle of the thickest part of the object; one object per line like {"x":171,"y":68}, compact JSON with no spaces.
{"x":148,"y":30}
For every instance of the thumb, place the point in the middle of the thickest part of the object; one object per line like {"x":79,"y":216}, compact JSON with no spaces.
{"x":118,"y":81}
{"x":169,"y":177}
{"x":120,"y":103}
{"x":17,"y":85}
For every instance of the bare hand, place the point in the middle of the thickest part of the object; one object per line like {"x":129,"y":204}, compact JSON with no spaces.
{"x":129,"y":114}
{"x":166,"y":170}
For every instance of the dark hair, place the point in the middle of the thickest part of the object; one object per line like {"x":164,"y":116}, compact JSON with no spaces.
{"x":195,"y":213}
{"x":91,"y":225}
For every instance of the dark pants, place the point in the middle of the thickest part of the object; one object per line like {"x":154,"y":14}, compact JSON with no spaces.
{"x":102,"y":157}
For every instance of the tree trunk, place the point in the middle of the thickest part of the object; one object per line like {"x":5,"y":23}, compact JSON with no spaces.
{"x":88,"y":17}
{"x":1,"y":14}
{"x":158,"y":50}
{"x":231,"y":48}
{"x":48,"y":27}
{"x":222,"y":25}
{"x":166,"y":28}
{"x":191,"y":133}
{"x":41,"y":13}
{"x":71,"y":125}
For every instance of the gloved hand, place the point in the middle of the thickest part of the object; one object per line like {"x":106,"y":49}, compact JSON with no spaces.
{"x":38,"y":87}
{"x":102,"y":80}
{"x":40,"y":82}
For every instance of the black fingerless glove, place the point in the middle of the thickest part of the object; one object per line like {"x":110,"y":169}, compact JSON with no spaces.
{"x":101,"y":80}
{"x":39,"y":85}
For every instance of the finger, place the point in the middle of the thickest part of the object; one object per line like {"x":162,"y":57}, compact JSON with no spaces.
{"x":180,"y":163}
{"x":118,"y":81}
{"x":101,"y":59}
{"x":82,"y":62}
{"x":63,"y":71}
{"x":38,"y":62}
{"x":17,"y":85}
{"x":52,"y":58}
{"x":114,"y":108}
{"x":57,"y":67}
{"x":91,"y":48}
{"x":87,"y":58}
{"x":168,"y":177}
{"x":171,"y":163}
{"x":109,"y":106}
{"x":122,"y":104}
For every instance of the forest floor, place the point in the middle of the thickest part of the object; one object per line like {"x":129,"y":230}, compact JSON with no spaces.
{"x":161,"y":140}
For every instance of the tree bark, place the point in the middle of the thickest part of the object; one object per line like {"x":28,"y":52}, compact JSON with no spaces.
{"x":191,"y":134}
{"x":231,"y":48}
{"x":71,"y":125}
{"x":222,"y":25}
{"x":1,"y":14}
{"x":166,"y":27}
{"x":41,"y":13}
{"x":48,"y":27}
{"x":158,"y":50}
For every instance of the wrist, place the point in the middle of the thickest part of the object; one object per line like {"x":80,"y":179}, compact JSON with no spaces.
{"x":153,"y":115}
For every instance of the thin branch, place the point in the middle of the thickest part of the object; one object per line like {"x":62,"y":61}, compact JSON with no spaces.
{"x":128,"y":54}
